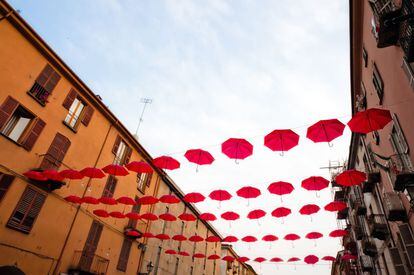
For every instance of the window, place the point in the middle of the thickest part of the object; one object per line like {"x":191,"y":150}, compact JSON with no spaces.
{"x":365,"y":57}
{"x":75,"y":111}
{"x":78,"y":110}
{"x":122,"y":151}
{"x":44,"y":84}
{"x":5,"y":182}
{"x":124,"y":255}
{"x":378,"y":83}
{"x":56,"y":152}
{"x":110,"y":187}
{"x":400,"y":145}
{"x":27,"y":210}
{"x":143,"y":180}
{"x":408,"y":68}
{"x":19,"y":124}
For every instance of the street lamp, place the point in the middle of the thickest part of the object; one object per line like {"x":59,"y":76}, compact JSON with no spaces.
{"x":150,"y":267}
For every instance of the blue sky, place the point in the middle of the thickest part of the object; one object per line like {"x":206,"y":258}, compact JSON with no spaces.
{"x":219,"y":69}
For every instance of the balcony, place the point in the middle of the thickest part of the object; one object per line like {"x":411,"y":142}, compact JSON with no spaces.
{"x":384,"y":29}
{"x":394,"y":208}
{"x":400,"y":175}
{"x":358,"y":204}
{"x":367,"y":264}
{"x":84,"y":264}
{"x":343,"y":214}
{"x":407,"y":30}
{"x":359,"y":234}
{"x":47,"y":185}
{"x":369,"y":185}
{"x":369,"y":248}
{"x":378,"y":226}
{"x":339,"y":196}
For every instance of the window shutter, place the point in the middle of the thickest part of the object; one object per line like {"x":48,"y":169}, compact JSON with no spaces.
{"x":396,"y":259}
{"x":5,"y":182}
{"x":407,"y":238}
{"x":124,"y":255}
{"x":53,"y":80}
{"x":67,"y":103}
{"x":400,"y":134}
{"x":116,"y":144}
{"x":33,"y":134}
{"x":87,"y":115}
{"x":128,"y":153}
{"x":7,"y":109}
{"x":91,"y":244}
{"x":135,"y":209}
{"x":110,"y":187}
{"x":44,"y":75}
{"x":56,"y":152}
{"x":148,"y":180}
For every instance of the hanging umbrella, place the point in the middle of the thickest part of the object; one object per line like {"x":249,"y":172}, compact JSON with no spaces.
{"x":260,"y":259}
{"x":248,"y":192}
{"x":281,"y":212}
{"x":213,"y":257}
{"x":237,"y":148}
{"x":350,"y":178}
{"x":52,"y":175}
{"x":335,"y":206}
{"x":249,"y":239}
{"x":311,"y":259}
{"x":369,"y":120}
{"x":101,"y":213}
{"x":220,"y":195}
{"x":208,"y":217}
{"x":348,"y":257}
{"x":281,"y":140}
{"x":117,"y":214}
{"x":329,"y":258}
{"x":170,"y":252}
{"x":140,"y":167}
{"x":230,"y":216}
{"x":270,"y":238}
{"x":325,"y":130}
{"x":162,"y":237}
{"x":230,"y":239}
{"x":170,"y":199}
{"x":196,"y":239}
{"x":199,"y":255}
{"x":280,"y":188}
{"x":149,"y":217}
{"x":188,"y":217}
{"x":107,"y":201}
{"x":165,"y":162}
{"x":243,"y":259}
{"x":228,"y":258}
{"x":194,"y":197}
{"x":167,"y":217}
{"x":147,"y":200}
{"x":89,"y":200}
{"x":291,"y":237}
{"x":34,"y":175}
{"x":133,"y":233}
{"x":148,"y":235}
{"x":199,"y":157}
{"x":293,"y":259}
{"x":338,"y":233}
{"x":126,"y":201}
{"x":256,"y":214}
{"x":179,"y":238}
{"x":133,"y":216}
{"x":309,"y":209}
{"x":315,"y":183}
{"x":183,"y":253}
{"x":73,"y":199}
{"x":276,"y":260}
{"x":115,"y":170}
{"x":313,"y":235}
{"x":71,"y":174}
{"x":212,"y":239}
{"x":92,"y":172}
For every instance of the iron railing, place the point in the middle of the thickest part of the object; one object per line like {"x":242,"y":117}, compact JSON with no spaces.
{"x":89,"y":263}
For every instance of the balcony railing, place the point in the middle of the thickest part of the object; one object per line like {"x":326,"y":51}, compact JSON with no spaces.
{"x":367,"y":265}
{"x":369,"y":248}
{"x":358,"y":204}
{"x":401,"y":174}
{"x":39,"y":93}
{"x":378,"y":226}
{"x":88,"y":263}
{"x":373,"y":179}
{"x":407,"y":30}
{"x":394,"y":208}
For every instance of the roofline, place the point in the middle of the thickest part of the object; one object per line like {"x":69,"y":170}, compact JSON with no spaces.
{"x":36,"y":40}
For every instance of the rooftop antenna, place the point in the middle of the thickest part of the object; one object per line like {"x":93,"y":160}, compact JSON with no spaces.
{"x":145,"y":101}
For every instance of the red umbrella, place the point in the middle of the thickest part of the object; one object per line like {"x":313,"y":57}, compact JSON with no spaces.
{"x":71,"y":174}
{"x":133,"y":216}
{"x":170,"y":199}
{"x":179,"y":238}
{"x":220,"y":195}
{"x":162,"y":237}
{"x":369,"y":120}
{"x":117,"y":214}
{"x":199,"y":157}
{"x":34,"y":175}
{"x":146,"y":200}
{"x":335,"y":206}
{"x":228,"y":258}
{"x":107,"y":200}
{"x":196,"y":239}
{"x":133,"y":233}
{"x":291,"y":237}
{"x":293,"y":259}
{"x":270,"y":238}
{"x":101,"y":213}
{"x":350,"y":178}
{"x":315,"y":183}
{"x":243,"y":259}
{"x":338,"y":233}
{"x":167,"y":217}
{"x":140,"y":167}
{"x":237,"y":148}
{"x":165,"y":162}
{"x":230,"y":239}
{"x":248,"y":192}
{"x":212,"y":239}
{"x":280,"y":188}
{"x":89,"y":200}
{"x":92,"y":172}
{"x":281,"y":212}
{"x":276,"y":260}
{"x":309,"y":209}
{"x":256,"y":214}
{"x":213,"y":257}
{"x":313,"y":235}
{"x":126,"y":200}
{"x":230,"y":216}
{"x":311,"y":259}
{"x":325,"y":130}
{"x":52,"y":175}
{"x":194,"y":197}
{"x":170,"y":252}
{"x":188,"y":217}
{"x":348,"y":257}
{"x":249,"y":239}
{"x":281,"y":140}
{"x":199,"y":255}
{"x":183,"y":253}
{"x":149,"y":217}
{"x":73,"y":199}
{"x":260,"y":259}
{"x":148,"y":235}
{"x":115,"y":170}
{"x":208,"y":217}
{"x":329,"y":258}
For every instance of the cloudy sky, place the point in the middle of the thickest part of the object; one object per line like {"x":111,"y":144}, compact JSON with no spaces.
{"x":218,"y":69}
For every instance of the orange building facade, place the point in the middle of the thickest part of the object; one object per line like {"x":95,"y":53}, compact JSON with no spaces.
{"x":236,"y":267}
{"x":49,"y":119}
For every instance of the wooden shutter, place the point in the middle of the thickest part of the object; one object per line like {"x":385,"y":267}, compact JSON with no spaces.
{"x":110,"y":187}
{"x":148,"y":180}
{"x":124,"y":255}
{"x":67,"y":103}
{"x":396,"y":259}
{"x":408,"y":241}
{"x":87,"y":116}
{"x":33,"y":134}
{"x":56,"y":152}
{"x":48,"y":78}
{"x":7,"y":109}
{"x":91,"y":244}
{"x":128,"y":153}
{"x":116,"y":144}
{"x":135,"y":209}
{"x":5,"y":182}
{"x":27,"y":210}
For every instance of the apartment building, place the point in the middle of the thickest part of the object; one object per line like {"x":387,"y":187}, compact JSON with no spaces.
{"x":234,"y":267}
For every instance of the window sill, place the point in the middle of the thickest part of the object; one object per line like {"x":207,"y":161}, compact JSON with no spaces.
{"x":11,"y":140}
{"x":70,"y":127}
{"x":36,"y":99}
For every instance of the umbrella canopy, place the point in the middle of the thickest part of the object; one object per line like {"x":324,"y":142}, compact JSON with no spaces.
{"x":237,"y":148}
{"x":293,"y":259}
{"x":199,"y":157}
{"x":315,"y":183}
{"x":170,"y":199}
{"x":213,"y":257}
{"x":256,"y":214}
{"x":291,"y":237}
{"x":220,"y":195}
{"x":170,"y":252}
{"x":167,"y":217}
{"x":350,"y":178}
{"x":183,"y":253}
{"x":179,"y":238}
{"x":199,"y":255}
{"x":53,"y":175}
{"x":73,"y":199}
{"x":140,"y":167}
{"x":276,"y":260}
{"x":325,"y":130}
{"x":166,"y":162}
{"x":230,"y":239}
{"x":309,"y":209}
{"x":249,"y":239}
{"x":117,"y":214}
{"x":243,"y":259}
{"x":230,"y":216}
{"x":147,"y":235}
{"x":101,"y":213}
{"x":89,"y":200}
{"x":260,"y":259}
{"x":212,"y":239}
{"x":133,"y":233}
{"x":280,"y":188}
{"x":162,"y":237}
{"x":348,"y":257}
{"x":34,"y":175}
{"x":194,"y":197}
{"x":115,"y":170}
{"x":133,"y":216}
{"x":338,"y":233}
{"x":149,"y":217}
{"x":369,"y":120}
{"x":248,"y":192}
{"x":108,"y":200}
{"x":329,"y":258}
{"x":281,"y":212}
{"x":147,"y":200}
{"x":270,"y":238}
{"x":335,"y":206}
{"x":188,"y":217}
{"x":71,"y":174}
{"x":281,"y":140}
{"x":228,"y":258}
{"x":311,"y":259}
{"x":313,"y":235}
{"x":208,"y":217}
{"x":196,"y":239}
{"x":126,"y":200}
{"x":92,"y":172}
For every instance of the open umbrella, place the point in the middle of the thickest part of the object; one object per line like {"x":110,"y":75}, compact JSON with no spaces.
{"x":108,"y":200}
{"x":89,"y":200}
{"x":309,"y":209}
{"x":115,"y":170}
{"x":260,"y":259}
{"x":199,"y":157}
{"x":170,"y":252}
{"x":194,"y":197}
{"x":188,"y":217}
{"x":147,"y":235}
{"x":325,"y":130}
{"x":199,"y":255}
{"x":315,"y":184}
{"x":71,"y":174}
{"x":35,"y":175}
{"x":208,"y":217}
{"x":249,"y":239}
{"x":213,"y":257}
{"x":237,"y":148}
{"x":292,"y":237}
{"x":117,"y":214}
{"x":140,"y":167}
{"x":169,"y":199}
{"x":101,"y":213}
{"x":52,"y":175}
{"x":276,"y":260}
{"x":73,"y":199}
{"x":220,"y":195}
{"x":230,"y":216}
{"x":183,"y":253}
{"x":350,"y":178}
{"x":133,"y":216}
{"x":281,"y":212}
{"x":166,"y":162}
{"x":196,"y":239}
{"x":228,"y":258}
{"x":311,"y":259}
{"x":338,"y":233}
{"x":230,"y":239}
{"x":369,"y":120}
{"x":126,"y":200}
{"x":167,"y":217}
{"x":179,"y":238}
{"x":335,"y":206}
{"x":256,"y":214}
{"x":147,"y":200}
{"x":162,"y":237}
{"x":133,"y":233}
{"x":149,"y":217}
{"x":248,"y":192}
{"x":270,"y":238}
{"x":313,"y":236}
{"x":293,"y":259}
{"x":213,"y":239}
{"x":243,"y":259}
{"x":348,"y":257}
{"x":92,"y":172}
{"x":280,"y":188}
{"x":329,"y":258}
{"x":281,"y":140}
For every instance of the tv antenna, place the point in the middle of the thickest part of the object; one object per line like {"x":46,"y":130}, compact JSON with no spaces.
{"x":145,"y":101}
